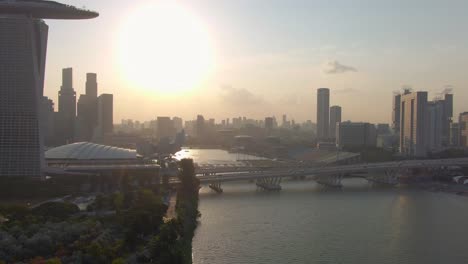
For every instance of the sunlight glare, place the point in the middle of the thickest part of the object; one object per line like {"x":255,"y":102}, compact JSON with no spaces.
{"x":165,"y":47}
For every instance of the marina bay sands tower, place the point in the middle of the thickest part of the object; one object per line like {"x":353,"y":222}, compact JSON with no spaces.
{"x":23,"y":45}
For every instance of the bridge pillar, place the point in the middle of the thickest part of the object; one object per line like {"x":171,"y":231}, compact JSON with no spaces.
{"x":330,"y":180}
{"x":389,"y":178}
{"x":269,"y":183}
{"x":216,"y":186}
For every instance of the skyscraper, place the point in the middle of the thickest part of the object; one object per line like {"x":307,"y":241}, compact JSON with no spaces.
{"x":323,"y":121}
{"x":447,"y":117}
{"x":84,"y":125}
{"x":91,"y":85}
{"x":105,"y":125}
{"x":463,"y":126}
{"x":335,"y":117}
{"x":413,"y":126}
{"x":66,"y":108}
{"x":87,"y":110}
{"x":200,"y":126}
{"x":21,"y":84}
{"x":23,"y":45}
{"x":396,"y":113}
{"x":454,"y":135}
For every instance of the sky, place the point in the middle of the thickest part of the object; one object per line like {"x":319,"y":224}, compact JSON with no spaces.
{"x":270,"y":56}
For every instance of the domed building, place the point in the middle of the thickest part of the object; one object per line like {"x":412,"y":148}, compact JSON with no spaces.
{"x":86,"y":152}
{"x":85,"y":158}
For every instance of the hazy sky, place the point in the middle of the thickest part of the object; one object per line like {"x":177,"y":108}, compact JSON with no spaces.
{"x":272,"y":55}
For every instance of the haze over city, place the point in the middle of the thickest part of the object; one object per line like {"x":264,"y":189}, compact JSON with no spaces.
{"x":233,"y":131}
{"x":262,"y":58}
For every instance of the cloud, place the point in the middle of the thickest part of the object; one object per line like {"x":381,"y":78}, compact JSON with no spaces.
{"x":335,"y":67}
{"x":239,"y":97}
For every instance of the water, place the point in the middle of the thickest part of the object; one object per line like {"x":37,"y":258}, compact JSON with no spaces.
{"x":306,"y":223}
{"x":213,"y":156}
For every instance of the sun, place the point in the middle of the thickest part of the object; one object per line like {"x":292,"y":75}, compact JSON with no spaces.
{"x":165,"y":47}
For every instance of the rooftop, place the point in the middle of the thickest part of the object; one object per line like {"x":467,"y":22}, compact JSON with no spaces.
{"x":89,"y":151}
{"x":45,"y":9}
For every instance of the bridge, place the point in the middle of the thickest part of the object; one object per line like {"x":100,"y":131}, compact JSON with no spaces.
{"x":270,"y":178}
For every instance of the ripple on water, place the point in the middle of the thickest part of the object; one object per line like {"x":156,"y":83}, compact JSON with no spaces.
{"x":305,"y":223}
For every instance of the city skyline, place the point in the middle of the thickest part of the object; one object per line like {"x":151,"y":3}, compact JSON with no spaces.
{"x":278,"y":72}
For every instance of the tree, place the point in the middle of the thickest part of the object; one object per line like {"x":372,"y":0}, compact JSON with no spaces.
{"x":166,"y":247}
{"x":118,"y":202}
{"x":189,"y":183}
{"x":56,"y":210}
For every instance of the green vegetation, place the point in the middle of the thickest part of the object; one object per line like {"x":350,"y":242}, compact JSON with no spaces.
{"x":121,"y":227}
{"x":187,"y":206}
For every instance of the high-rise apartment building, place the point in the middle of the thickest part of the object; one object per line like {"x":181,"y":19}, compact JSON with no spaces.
{"x":413,"y":133}
{"x":396,"y":113}
{"x":463,"y":126}
{"x":454,"y":135}
{"x":335,"y":118}
{"x":323,"y":119}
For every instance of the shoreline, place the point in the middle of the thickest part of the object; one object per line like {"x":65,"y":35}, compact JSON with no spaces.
{"x":450,"y":188}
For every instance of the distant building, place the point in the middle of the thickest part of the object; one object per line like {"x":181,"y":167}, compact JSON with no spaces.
{"x":166,"y":127}
{"x":200,"y":126}
{"x":351,"y":134}
{"x":454,"y":135}
{"x":178,"y":124}
{"x":383,"y":129}
{"x":335,"y":117}
{"x":396,"y":113}
{"x":91,"y":85}
{"x":323,"y":119}
{"x":105,"y":117}
{"x":286,"y":123}
{"x":413,"y":139}
{"x":387,"y":141}
{"x":85,"y":118}
{"x":463,"y":124}
{"x":269,"y":123}
{"x":439,"y":118}
{"x":66,"y":108}
{"x":47,"y":121}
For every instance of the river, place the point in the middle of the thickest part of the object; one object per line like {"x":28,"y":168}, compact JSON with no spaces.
{"x":308,"y":223}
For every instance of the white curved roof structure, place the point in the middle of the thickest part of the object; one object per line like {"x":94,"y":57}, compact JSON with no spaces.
{"x":89,"y":151}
